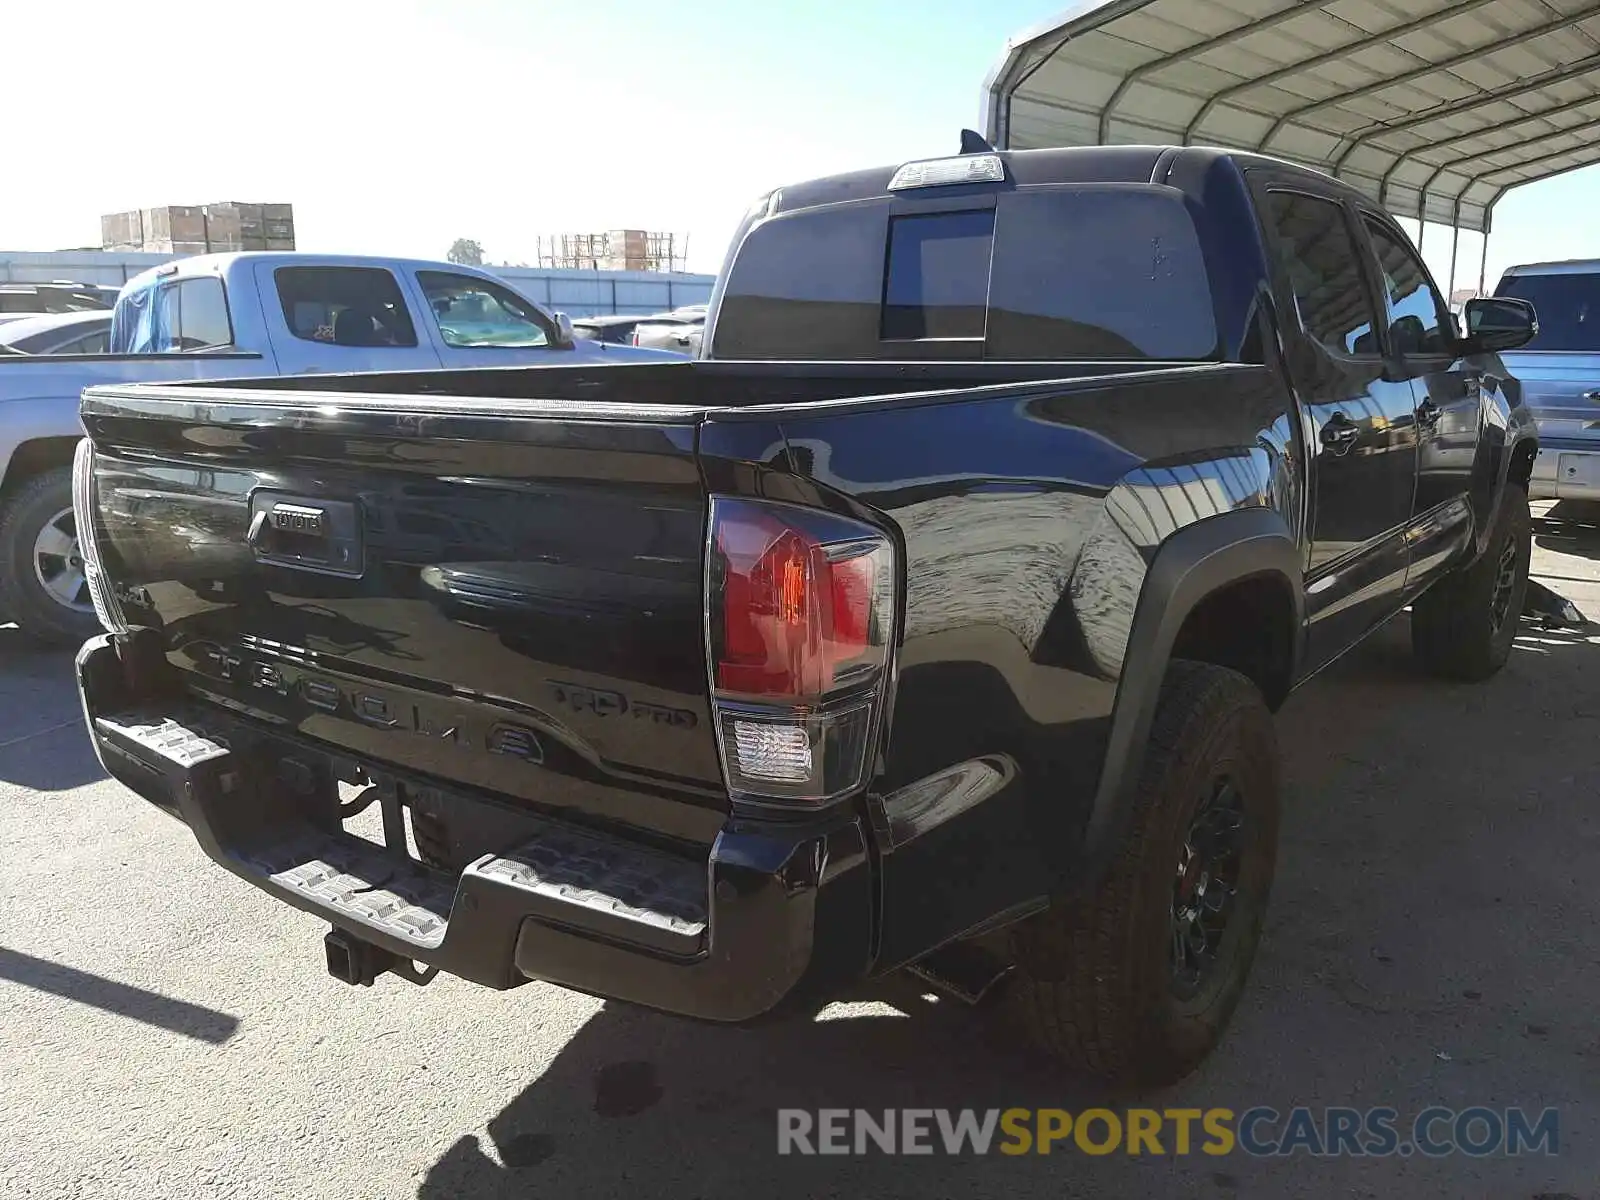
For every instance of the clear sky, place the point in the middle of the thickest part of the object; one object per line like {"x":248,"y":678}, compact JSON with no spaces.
{"x":399,"y":126}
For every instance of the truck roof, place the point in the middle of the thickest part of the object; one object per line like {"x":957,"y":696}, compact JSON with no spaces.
{"x":225,"y":264}
{"x":1070,"y":164}
{"x":1570,"y":266}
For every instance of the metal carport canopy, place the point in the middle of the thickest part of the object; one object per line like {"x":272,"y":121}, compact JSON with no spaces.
{"x":1436,"y":108}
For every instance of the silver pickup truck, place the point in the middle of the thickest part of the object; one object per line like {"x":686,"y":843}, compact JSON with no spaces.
{"x":1560,"y":374}
{"x":226,"y":316}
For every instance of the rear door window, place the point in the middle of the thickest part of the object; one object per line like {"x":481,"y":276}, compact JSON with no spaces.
{"x":1317,"y":254}
{"x":344,"y":306}
{"x":1568,"y":306}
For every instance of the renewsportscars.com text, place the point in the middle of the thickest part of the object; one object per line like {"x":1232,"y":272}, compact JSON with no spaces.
{"x":1260,"y":1131}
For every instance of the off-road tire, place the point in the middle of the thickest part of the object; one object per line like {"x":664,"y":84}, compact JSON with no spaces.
{"x":21,"y":596}
{"x":1454,"y":631}
{"x":1095,"y":980}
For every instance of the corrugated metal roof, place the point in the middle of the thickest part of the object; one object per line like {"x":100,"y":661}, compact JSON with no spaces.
{"x":1435,"y":106}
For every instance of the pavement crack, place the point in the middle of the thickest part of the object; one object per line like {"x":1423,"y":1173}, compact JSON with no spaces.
{"x":17,"y":741}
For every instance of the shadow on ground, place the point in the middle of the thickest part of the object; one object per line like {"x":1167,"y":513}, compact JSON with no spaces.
{"x":135,"y":1003}
{"x":1569,"y":527}
{"x":1423,"y":948}
{"x":43,"y":745}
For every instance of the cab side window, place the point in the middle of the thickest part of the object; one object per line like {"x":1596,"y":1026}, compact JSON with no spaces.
{"x":344,"y":306}
{"x":1318,"y":256}
{"x":193,"y":315}
{"x":1419,"y":321}
{"x":475,"y":313}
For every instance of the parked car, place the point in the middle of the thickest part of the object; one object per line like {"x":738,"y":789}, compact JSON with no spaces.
{"x":934,"y":620}
{"x":86,"y":332}
{"x":228,"y":315}
{"x":613,"y":331}
{"x":1560,"y":373}
{"x":669,"y":332}
{"x":19,"y":300}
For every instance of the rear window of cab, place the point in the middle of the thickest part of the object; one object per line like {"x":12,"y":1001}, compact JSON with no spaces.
{"x":1083,"y":272}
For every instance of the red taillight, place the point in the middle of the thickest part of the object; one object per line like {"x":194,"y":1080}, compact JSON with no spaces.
{"x":794,"y":619}
{"x":799,"y":631}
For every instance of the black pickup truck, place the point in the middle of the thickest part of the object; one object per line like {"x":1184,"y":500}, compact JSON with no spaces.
{"x":933,"y":620}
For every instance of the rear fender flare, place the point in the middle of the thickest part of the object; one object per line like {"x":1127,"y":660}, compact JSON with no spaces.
{"x":1190,"y":565}
{"x":1522,"y":435}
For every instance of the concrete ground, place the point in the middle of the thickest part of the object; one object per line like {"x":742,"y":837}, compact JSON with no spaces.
{"x":167,"y":1031}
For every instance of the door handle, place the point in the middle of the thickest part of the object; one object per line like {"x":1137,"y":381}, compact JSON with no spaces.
{"x":1340,"y":434}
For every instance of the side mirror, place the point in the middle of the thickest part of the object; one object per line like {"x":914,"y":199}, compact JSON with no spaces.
{"x":1496,"y":323}
{"x":564,"y":334}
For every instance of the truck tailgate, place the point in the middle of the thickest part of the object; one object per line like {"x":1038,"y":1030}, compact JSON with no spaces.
{"x":503,"y":599}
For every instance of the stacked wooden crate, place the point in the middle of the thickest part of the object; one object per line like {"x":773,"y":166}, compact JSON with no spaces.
{"x":200,"y":229}
{"x":626,"y":250}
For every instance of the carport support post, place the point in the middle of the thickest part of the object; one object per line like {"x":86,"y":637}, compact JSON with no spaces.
{"x":1483,"y":262}
{"x":1455,"y":245}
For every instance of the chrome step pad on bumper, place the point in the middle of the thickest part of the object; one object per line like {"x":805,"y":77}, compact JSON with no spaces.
{"x":568,"y":878}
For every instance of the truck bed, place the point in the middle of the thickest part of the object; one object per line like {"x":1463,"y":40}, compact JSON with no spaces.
{"x":695,"y":385}
{"x":520,"y":547}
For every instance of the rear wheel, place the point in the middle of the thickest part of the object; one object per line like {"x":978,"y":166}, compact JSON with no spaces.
{"x":42,"y":583}
{"x":1463,"y":626}
{"x":1136,"y":982}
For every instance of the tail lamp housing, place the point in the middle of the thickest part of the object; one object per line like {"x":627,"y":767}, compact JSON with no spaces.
{"x":800,"y":631}
{"x":106,"y":607}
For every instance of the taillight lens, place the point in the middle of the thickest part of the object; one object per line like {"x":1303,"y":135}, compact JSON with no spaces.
{"x":105,"y":601}
{"x":800,"y":628}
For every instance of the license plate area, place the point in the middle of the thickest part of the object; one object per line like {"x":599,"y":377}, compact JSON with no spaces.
{"x":1578,"y":470}
{"x":433,"y":827}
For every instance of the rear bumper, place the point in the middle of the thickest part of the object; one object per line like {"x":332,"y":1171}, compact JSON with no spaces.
{"x":774,"y":914}
{"x":1566,"y":472}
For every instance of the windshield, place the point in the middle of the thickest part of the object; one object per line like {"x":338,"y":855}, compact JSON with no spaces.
{"x":1568,"y":306}
{"x":50,"y":300}
{"x":31,"y":335}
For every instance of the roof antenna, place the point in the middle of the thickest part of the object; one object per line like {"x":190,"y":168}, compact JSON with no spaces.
{"x":974,"y":143}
